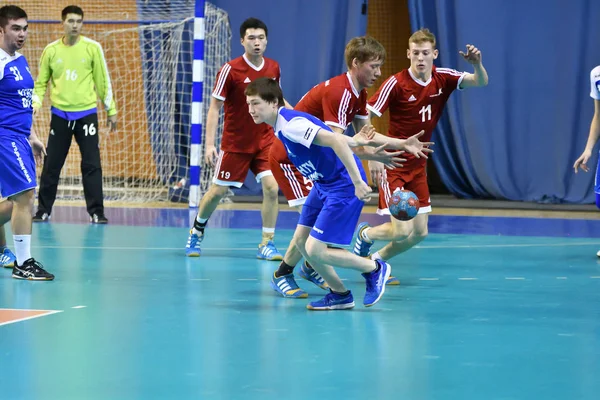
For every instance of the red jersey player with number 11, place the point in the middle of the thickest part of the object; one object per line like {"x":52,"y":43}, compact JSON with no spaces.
{"x":415,"y":98}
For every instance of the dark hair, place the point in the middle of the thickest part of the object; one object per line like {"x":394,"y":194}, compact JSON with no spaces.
{"x":252,"y":23}
{"x":11,"y":12}
{"x":71,"y":10}
{"x":267,"y":89}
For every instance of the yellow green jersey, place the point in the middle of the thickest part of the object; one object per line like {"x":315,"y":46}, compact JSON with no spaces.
{"x":77,"y":74}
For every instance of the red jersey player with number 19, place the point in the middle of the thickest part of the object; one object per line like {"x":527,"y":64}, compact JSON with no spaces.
{"x":415,"y":98}
{"x":245,"y":145}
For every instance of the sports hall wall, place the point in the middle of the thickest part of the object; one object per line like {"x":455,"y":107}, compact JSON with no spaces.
{"x":515,"y":139}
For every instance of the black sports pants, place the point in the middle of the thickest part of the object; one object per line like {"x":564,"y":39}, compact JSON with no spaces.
{"x":62,"y":131}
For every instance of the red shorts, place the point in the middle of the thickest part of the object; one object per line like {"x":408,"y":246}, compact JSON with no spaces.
{"x":232,"y":168}
{"x":293,"y":185}
{"x":414,"y":180}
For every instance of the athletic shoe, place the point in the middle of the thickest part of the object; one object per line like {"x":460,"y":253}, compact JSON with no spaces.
{"x":192,"y":248}
{"x":268,"y":252}
{"x":376,"y":282}
{"x":392,"y":281}
{"x":312,"y":276}
{"x":98,"y":219}
{"x":7,"y":258}
{"x":332,"y":301}
{"x":361,"y":246}
{"x":31,"y":270}
{"x":287,"y":287}
{"x":41,"y":216}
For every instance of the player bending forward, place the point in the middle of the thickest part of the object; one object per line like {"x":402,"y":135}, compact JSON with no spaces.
{"x":333,"y":206}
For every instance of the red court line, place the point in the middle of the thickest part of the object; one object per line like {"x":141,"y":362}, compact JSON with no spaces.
{"x":12,"y":315}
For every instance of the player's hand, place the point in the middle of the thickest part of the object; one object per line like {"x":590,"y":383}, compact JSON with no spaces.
{"x":366,"y":133}
{"x":417,"y":148}
{"x":362,"y":191}
{"x":39,"y":150}
{"x":581,"y":162}
{"x":211,"y":155}
{"x":390,"y":159}
{"x":472,"y":56}
{"x":112,"y":124}
{"x":377,"y":170}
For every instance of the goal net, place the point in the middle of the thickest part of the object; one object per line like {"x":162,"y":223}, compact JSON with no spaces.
{"x":148,"y":46}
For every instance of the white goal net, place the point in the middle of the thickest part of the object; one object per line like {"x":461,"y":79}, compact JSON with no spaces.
{"x":148,"y":47}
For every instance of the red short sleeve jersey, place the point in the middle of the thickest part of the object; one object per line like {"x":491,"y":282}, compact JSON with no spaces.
{"x":336,"y":102}
{"x":240,"y":133}
{"x":414,"y":105}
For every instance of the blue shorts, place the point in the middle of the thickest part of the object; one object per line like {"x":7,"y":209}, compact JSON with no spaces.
{"x":332,"y":216}
{"x":17,"y":165}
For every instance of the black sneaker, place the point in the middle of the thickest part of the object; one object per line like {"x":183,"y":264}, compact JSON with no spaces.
{"x":41,"y":216}
{"x":31,"y":270}
{"x":98,"y":219}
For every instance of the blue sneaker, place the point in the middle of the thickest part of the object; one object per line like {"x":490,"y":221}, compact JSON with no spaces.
{"x":313,"y":276}
{"x":287,"y":287}
{"x":192,"y":248}
{"x":268,"y":252}
{"x":362,"y":248}
{"x":376,"y":283}
{"x":332,"y":301}
{"x":7,"y":258}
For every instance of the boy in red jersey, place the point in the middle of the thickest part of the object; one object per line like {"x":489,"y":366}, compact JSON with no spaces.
{"x":415,"y":98}
{"x":245,"y":145}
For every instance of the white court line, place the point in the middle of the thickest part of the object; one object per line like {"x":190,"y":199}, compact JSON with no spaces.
{"x":429,"y":279}
{"x":247,"y":279}
{"x":514,"y":278}
{"x":594,"y":277}
{"x":561,"y":277}
{"x":468,"y":279}
{"x":79,"y":307}
{"x":48,"y":312}
{"x":226,"y":249}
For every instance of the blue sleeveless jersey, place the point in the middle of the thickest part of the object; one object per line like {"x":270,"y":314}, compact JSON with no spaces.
{"x":16,"y":91}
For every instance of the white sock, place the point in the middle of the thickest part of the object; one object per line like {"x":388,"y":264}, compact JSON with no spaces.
{"x":268,"y":230}
{"x":376,"y":256}
{"x":363,"y":234}
{"x":22,"y":248}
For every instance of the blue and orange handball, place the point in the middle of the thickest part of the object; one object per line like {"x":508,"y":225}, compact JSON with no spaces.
{"x":404,"y":205}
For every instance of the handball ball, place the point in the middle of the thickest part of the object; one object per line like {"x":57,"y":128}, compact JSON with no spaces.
{"x":404,"y":205}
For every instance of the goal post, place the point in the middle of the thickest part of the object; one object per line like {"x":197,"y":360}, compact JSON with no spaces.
{"x":161,"y":68}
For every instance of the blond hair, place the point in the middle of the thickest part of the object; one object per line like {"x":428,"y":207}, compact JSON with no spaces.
{"x":421,"y":36}
{"x":363,"y":48}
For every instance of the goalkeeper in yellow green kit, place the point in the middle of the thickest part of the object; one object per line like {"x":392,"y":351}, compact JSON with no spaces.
{"x":76,"y":70}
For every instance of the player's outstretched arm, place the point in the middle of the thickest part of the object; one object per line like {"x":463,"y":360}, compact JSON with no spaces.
{"x":479,"y":77}
{"x":369,"y":137}
{"x":591,"y":142}
{"x":341,"y":147}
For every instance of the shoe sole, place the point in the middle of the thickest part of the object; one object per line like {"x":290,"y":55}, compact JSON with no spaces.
{"x":395,"y":282}
{"x":347,"y":306}
{"x":32,"y":279}
{"x":8,"y":265}
{"x":276,"y":258}
{"x":192,"y":254}
{"x":387,"y":275}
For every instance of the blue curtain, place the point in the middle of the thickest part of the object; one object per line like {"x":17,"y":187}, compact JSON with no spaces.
{"x":518,"y":137}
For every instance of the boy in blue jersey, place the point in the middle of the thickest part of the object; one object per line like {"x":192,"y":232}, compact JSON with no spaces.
{"x":333,"y":206}
{"x":18,"y":143}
